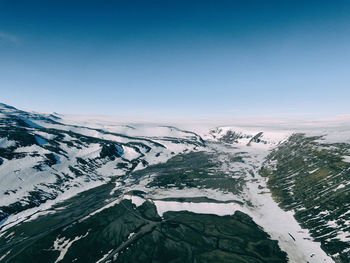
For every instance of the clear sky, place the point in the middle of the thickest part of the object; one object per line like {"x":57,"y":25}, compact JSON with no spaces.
{"x":174,"y":58}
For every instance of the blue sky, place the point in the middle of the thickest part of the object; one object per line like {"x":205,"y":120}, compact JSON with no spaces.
{"x":198,"y":59}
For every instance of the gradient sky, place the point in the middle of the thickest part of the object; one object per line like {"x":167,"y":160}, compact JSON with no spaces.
{"x":176,"y":58}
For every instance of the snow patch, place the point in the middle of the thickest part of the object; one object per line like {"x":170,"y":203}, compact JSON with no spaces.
{"x":130,"y":153}
{"x":136,"y":200}
{"x":62,"y":245}
{"x":5,"y":143}
{"x":346,"y":158}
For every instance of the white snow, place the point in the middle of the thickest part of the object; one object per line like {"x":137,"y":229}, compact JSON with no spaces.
{"x":279,"y":224}
{"x":62,"y":245}
{"x":346,"y":158}
{"x":130,"y":153}
{"x":136,"y":200}
{"x":314,"y":170}
{"x":5,"y":255}
{"x":130,"y":235}
{"x":104,"y":256}
{"x":5,"y":143}
{"x":343,"y":236}
{"x":340,"y":186}
{"x":139,"y":166}
{"x":45,"y":135}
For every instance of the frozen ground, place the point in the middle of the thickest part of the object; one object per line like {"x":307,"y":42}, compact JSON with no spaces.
{"x":240,"y":150}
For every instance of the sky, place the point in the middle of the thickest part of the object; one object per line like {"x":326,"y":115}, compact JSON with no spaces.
{"x":176,"y":59}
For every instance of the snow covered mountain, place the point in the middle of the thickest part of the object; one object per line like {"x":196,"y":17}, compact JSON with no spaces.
{"x":41,"y":158}
{"x":76,"y":189}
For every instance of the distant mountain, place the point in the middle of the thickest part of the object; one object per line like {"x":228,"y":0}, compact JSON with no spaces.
{"x":77,"y":189}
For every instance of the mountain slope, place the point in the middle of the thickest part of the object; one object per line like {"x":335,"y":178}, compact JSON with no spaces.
{"x":42,"y":158}
{"x":97,"y":190}
{"x":311,"y":177}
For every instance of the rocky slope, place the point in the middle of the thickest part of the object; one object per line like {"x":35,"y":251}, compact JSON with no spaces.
{"x":311,"y":177}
